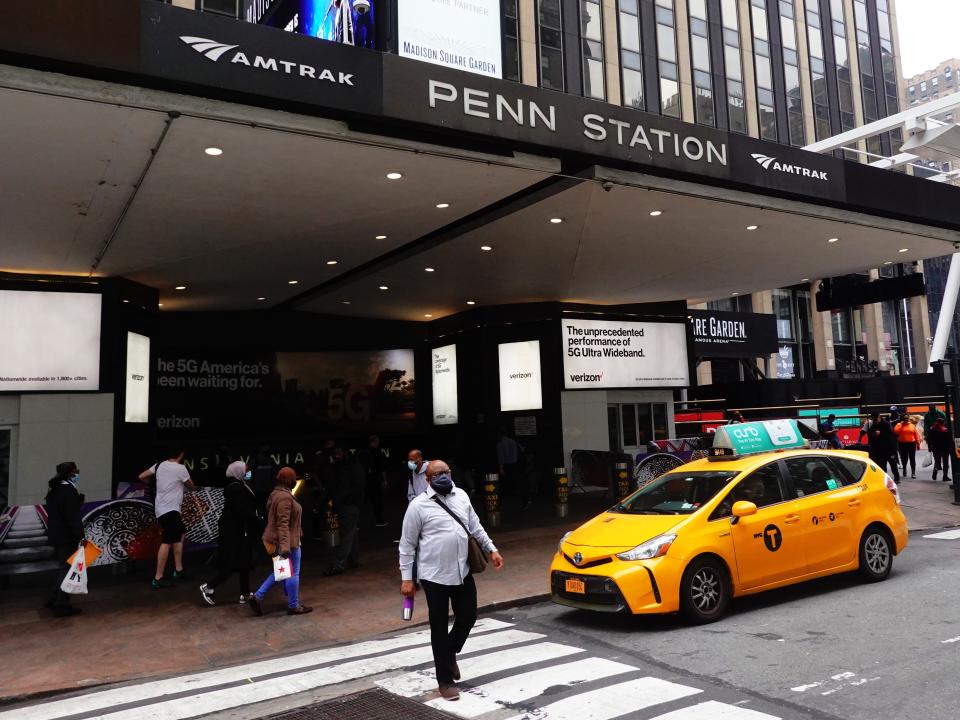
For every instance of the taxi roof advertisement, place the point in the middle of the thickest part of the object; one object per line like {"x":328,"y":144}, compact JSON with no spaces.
{"x":617,"y":354}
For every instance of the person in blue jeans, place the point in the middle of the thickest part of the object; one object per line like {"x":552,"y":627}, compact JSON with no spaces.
{"x":282,"y":537}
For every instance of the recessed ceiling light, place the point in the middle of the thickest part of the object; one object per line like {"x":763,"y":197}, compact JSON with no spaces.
{"x":442,"y":206}
{"x":126,"y":301}
{"x":832,"y":240}
{"x":471,"y":302}
{"x":752,"y":227}
{"x":384,"y":287}
{"x":734,"y":294}
{"x":332,"y":262}
{"x":394,"y":176}
{"x":213,"y":151}
{"x":292,"y":282}
{"x":159,"y":304}
{"x":889,"y":262}
{"x":428,"y":315}
{"x":428,"y":269}
{"x":904,"y":250}
{"x":380,"y":237}
{"x":556,"y":221}
{"x":346,"y":302}
{"x":804,"y":279}
{"x":261,"y":298}
{"x":486,"y":248}
{"x":656,"y":213}
{"x":180,"y":287}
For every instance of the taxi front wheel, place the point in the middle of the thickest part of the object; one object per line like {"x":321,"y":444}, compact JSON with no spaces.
{"x":876,"y":554}
{"x":704,"y":591}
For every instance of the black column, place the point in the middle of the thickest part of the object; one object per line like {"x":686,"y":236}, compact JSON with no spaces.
{"x":572,"y":52}
{"x":830,"y":60}
{"x":717,"y":64}
{"x":776,"y":62}
{"x":651,"y":69}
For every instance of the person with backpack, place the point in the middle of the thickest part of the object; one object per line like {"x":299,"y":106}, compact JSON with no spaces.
{"x":940,"y":444}
{"x":239,"y":527}
{"x":64,"y":529}
{"x":908,"y":441}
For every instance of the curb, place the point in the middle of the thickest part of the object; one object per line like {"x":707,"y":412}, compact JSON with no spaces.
{"x":488,"y":608}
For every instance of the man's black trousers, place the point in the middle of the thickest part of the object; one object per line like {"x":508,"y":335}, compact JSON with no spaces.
{"x":463,"y":599}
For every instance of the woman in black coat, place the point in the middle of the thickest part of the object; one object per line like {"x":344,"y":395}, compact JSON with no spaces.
{"x":240,"y":527}
{"x":64,"y":529}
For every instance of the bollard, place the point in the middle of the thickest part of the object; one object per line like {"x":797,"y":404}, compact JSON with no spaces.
{"x":333,"y":526}
{"x":622,"y":480}
{"x":491,"y":498}
{"x":563,"y":491}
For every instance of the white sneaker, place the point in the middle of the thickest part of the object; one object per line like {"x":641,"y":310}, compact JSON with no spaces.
{"x":207,"y":594}
{"x":243,"y":599}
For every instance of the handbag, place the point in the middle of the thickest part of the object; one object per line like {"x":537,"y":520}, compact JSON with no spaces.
{"x":282,"y":568}
{"x":75,"y":582}
{"x":476,"y":557}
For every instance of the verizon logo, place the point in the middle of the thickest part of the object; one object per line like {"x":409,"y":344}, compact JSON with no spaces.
{"x":771,"y":163}
{"x":521,"y":376}
{"x":213,"y":51}
{"x":586,"y":377}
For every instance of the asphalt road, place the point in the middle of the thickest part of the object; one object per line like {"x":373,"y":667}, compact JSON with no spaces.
{"x":835,"y":647}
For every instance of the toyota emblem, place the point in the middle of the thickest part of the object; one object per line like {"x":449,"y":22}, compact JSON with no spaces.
{"x":577,"y":558}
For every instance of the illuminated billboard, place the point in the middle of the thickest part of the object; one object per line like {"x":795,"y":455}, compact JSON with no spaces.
{"x":350,"y":22}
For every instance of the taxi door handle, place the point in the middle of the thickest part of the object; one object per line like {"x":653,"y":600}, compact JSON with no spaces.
{"x":790,"y":519}
{"x":854,"y":503}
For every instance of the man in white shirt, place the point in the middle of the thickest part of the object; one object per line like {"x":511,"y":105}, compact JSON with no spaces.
{"x":440,"y":544}
{"x":171,"y":478}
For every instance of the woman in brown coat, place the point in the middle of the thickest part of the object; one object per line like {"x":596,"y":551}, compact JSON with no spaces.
{"x":282,"y":537}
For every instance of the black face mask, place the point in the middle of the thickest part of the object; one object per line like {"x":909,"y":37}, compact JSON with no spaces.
{"x":442,"y":484}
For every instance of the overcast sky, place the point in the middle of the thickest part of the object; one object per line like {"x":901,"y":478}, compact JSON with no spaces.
{"x":929,"y":33}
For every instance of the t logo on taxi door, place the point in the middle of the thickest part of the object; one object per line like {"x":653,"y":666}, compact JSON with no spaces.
{"x":772,"y":538}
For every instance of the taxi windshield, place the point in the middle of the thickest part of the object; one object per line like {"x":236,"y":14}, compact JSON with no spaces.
{"x":676,"y":493}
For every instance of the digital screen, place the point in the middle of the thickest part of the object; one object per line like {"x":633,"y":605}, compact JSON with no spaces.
{"x":50,"y":341}
{"x":612,"y":354}
{"x":351,"y":22}
{"x":459,"y":35}
{"x":138,"y":379}
{"x":444,"y":363}
{"x":520,"y":387}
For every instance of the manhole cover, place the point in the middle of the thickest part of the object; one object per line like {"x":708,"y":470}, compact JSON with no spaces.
{"x":366,"y":705}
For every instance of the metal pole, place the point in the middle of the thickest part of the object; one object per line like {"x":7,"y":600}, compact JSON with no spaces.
{"x":947,"y":309}
{"x":563,"y":491}
{"x":491,"y":498}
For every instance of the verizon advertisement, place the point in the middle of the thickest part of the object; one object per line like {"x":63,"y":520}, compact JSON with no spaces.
{"x":445,"y":385}
{"x":459,"y":35}
{"x":138,"y":378}
{"x":50,"y":341}
{"x":612,"y":354}
{"x":520,"y":376}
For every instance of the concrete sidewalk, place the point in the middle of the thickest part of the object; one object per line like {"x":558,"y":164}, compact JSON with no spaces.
{"x":129,"y":631}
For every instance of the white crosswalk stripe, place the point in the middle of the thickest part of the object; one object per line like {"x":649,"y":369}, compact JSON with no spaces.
{"x":424,"y":681}
{"x":507,"y":671}
{"x":715,"y":711}
{"x":946,"y":535}
{"x":611,"y":702}
{"x":525,"y":686}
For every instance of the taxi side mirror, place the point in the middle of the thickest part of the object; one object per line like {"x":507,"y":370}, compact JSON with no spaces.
{"x":742,"y":508}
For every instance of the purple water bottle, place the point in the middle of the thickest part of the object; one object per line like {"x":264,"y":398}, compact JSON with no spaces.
{"x":408,"y":608}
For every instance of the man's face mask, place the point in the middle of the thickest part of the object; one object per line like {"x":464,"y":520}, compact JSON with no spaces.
{"x":442,"y":483}
{"x":412,"y":464}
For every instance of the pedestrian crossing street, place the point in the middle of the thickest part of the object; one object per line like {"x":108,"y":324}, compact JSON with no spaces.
{"x":508,"y":674}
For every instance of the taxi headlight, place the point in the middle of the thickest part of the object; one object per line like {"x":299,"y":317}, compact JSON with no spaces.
{"x":652,"y":548}
{"x":560,"y":544}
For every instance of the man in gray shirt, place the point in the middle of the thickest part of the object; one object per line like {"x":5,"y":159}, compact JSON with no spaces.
{"x":444,"y":570}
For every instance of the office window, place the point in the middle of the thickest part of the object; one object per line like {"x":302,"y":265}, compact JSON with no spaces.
{"x":667,"y":57}
{"x":511,"y":43}
{"x":761,"y":53}
{"x":791,"y":67}
{"x":844,"y":80}
{"x":733,"y":66}
{"x":818,"y":72}
{"x":631,"y":54}
{"x":591,"y":39}
{"x":550,"y":40}
{"x":704,"y":110}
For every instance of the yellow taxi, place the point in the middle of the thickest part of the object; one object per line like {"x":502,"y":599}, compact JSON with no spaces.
{"x":763,"y":511}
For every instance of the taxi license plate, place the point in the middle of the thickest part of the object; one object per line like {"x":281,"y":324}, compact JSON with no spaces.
{"x":576,"y":586}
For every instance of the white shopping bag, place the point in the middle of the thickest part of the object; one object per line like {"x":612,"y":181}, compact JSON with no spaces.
{"x":75,"y":583}
{"x":282,"y":568}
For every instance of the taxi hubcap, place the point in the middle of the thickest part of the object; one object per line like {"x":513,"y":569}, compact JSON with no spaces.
{"x":878,"y":554}
{"x":705,"y":590}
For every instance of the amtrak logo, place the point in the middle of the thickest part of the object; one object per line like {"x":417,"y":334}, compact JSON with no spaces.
{"x":210,"y":49}
{"x":213,"y":50}
{"x":577,"y":558}
{"x":772,"y":164}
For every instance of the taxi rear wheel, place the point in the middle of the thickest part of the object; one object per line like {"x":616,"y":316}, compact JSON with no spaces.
{"x":704,"y":591}
{"x":876,"y":554}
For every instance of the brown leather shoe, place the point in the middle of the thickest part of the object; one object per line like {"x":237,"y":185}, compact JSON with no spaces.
{"x":449,"y":692}
{"x":302,"y":610}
